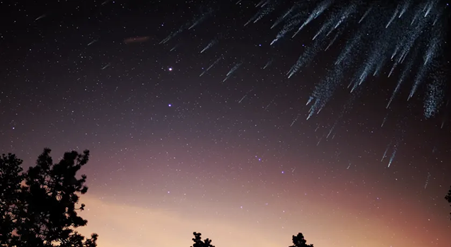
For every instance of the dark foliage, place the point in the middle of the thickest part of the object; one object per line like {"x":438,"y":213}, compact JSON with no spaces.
{"x":39,"y":207}
{"x":198,"y":241}
{"x":299,"y":241}
{"x":448,"y":197}
{"x":10,"y":179}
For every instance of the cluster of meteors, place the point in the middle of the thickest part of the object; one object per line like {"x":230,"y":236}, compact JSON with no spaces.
{"x":408,"y":36}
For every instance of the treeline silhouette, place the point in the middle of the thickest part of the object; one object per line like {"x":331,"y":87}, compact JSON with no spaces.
{"x":298,"y":241}
{"x":38,"y":208}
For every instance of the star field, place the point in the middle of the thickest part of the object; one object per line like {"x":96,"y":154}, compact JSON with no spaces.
{"x":196,"y":122}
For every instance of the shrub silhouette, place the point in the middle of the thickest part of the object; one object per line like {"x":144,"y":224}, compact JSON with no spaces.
{"x":39,"y":207}
{"x":448,"y":197}
{"x":198,"y":241}
{"x":299,"y":241}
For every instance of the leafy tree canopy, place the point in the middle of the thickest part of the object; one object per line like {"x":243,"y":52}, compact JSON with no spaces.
{"x":39,"y":207}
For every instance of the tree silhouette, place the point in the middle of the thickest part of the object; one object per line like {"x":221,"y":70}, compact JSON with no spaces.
{"x":39,"y":207}
{"x":10,"y":179}
{"x":198,"y":241}
{"x":299,"y":241}
{"x":448,"y":197}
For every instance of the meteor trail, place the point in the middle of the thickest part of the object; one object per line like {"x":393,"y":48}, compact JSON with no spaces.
{"x":40,"y":17}
{"x":211,"y":66}
{"x":232,"y":71}
{"x":212,"y":43}
{"x":92,"y":42}
{"x":106,"y":66}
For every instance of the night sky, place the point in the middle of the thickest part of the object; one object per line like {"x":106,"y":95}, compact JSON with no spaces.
{"x":178,"y":145}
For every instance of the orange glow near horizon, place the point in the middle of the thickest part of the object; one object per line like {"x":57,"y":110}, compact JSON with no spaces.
{"x":324,"y":221}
